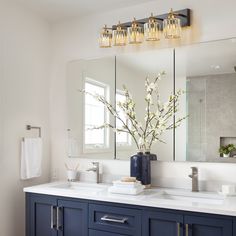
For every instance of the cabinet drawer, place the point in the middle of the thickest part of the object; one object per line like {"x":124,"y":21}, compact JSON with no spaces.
{"x":115,"y":219}
{"x":103,"y":233}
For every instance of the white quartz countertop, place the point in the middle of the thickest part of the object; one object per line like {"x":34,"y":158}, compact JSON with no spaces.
{"x":176,"y":199}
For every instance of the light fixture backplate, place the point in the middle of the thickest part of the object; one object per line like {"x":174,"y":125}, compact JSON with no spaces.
{"x":184,"y":15}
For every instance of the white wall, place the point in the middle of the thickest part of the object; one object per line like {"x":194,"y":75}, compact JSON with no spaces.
{"x":77,"y":39}
{"x":24,"y":99}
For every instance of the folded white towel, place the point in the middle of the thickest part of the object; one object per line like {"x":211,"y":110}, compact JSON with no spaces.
{"x":129,"y":191}
{"x":119,"y":183}
{"x":31,"y":158}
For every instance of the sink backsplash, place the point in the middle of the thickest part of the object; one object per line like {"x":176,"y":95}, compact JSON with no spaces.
{"x":164,"y":174}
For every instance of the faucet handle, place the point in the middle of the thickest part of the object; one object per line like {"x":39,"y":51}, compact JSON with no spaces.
{"x":95,"y":163}
{"x":194,"y":170}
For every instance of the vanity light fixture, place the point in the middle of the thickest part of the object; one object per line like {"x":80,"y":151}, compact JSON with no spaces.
{"x":119,"y":36}
{"x":149,"y":28}
{"x":172,"y":26}
{"x":105,"y":38}
{"x":135,"y":33}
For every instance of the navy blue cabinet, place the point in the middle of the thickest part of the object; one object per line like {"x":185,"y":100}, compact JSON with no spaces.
{"x":58,"y":216}
{"x":158,"y":223}
{"x":40,"y":216}
{"x":234,"y":227}
{"x":72,"y":218}
{"x":52,"y":216}
{"x":118,"y":220}
{"x":103,"y":233}
{"x":207,"y":226}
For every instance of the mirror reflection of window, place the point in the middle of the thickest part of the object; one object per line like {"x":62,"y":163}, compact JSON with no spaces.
{"x":99,"y":76}
{"x":95,"y":115}
{"x":122,"y":139}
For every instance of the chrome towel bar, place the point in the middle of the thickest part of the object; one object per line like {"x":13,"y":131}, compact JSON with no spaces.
{"x":29,"y":127}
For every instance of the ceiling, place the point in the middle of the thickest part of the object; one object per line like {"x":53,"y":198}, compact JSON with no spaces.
{"x":55,"y":10}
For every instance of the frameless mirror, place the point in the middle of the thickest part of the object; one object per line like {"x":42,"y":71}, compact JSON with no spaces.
{"x":206,"y":72}
{"x":96,"y":76}
{"x":131,"y":71}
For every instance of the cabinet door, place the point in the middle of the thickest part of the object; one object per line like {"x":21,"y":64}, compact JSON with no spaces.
{"x":72,"y":218}
{"x":162,"y":224}
{"x":234,"y":226}
{"x":40,"y":216}
{"x":207,"y":226}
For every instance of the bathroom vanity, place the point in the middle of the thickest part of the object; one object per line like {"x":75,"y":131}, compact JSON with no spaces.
{"x":209,"y":82}
{"x":80,"y":209}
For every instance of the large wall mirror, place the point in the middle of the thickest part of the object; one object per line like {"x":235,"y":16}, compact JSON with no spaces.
{"x":205,"y":71}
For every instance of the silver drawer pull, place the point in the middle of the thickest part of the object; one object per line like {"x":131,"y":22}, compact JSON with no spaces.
{"x":187,"y":229}
{"x":115,"y":220}
{"x":178,"y":229}
{"x":59,"y":218}
{"x":53,"y":224}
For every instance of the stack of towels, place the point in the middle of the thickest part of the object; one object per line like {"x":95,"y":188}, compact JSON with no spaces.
{"x":127,"y":185}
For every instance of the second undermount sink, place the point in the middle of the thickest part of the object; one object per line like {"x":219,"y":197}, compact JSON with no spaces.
{"x":82,"y":188}
{"x":189,"y":197}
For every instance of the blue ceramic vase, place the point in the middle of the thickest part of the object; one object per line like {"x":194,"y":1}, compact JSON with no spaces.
{"x":140,"y":167}
{"x":136,"y":166}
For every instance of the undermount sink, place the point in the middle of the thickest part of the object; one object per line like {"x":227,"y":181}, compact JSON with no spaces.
{"x":189,"y":197}
{"x":162,"y":195}
{"x":86,"y":188}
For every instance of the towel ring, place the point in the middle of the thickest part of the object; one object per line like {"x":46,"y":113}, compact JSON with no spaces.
{"x":29,"y":127}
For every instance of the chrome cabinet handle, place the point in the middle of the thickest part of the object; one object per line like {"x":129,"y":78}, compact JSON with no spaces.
{"x":114,"y":220}
{"x":187,"y":229}
{"x":59,"y":220}
{"x":178,"y":229}
{"x":53,"y":224}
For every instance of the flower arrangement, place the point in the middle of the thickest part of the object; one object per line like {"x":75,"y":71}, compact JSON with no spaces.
{"x":158,"y":116}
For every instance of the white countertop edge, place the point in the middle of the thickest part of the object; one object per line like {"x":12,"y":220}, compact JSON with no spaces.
{"x":224,"y":209}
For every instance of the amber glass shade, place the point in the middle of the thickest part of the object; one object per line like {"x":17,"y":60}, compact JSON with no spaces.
{"x":135,"y":33}
{"x":119,"y":36}
{"x":151,"y":29}
{"x":105,"y":38}
{"x":172,"y":26}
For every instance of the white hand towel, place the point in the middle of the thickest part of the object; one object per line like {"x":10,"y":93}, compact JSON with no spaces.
{"x":31,"y":158}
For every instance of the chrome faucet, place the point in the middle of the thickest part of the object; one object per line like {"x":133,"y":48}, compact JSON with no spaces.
{"x":194,"y":177}
{"x":95,"y":169}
